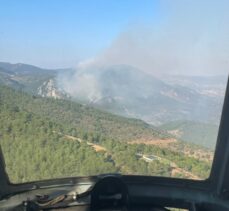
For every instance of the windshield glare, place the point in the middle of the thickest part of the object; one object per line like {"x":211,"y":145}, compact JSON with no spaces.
{"x":94,"y":87}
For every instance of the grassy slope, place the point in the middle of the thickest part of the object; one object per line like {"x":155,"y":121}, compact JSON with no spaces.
{"x":195,"y":132}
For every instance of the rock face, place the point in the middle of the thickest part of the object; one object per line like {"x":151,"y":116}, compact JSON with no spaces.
{"x":31,"y":79}
{"x":50,"y":89}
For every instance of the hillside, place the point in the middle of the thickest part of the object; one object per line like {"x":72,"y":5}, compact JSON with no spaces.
{"x":31,"y":79}
{"x":203,"y":134}
{"x":27,"y":77}
{"x":124,"y":90}
{"x":81,"y":117}
{"x":48,"y":138}
{"x":128,"y":91}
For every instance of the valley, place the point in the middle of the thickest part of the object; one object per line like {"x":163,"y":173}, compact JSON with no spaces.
{"x":28,"y":135}
{"x":125,"y":90}
{"x":47,"y":131}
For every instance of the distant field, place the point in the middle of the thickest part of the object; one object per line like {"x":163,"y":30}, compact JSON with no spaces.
{"x":203,"y":134}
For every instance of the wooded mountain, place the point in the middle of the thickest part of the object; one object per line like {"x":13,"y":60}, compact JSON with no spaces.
{"x":81,"y":117}
{"x":125,"y":90}
{"x":44,"y":138}
{"x":31,"y":79}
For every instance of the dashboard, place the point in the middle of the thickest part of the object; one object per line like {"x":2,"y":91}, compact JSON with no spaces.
{"x":109,"y":193}
{"x":113,"y":193}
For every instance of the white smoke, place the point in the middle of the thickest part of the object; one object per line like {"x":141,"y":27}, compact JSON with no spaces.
{"x":192,"y":38}
{"x":82,"y":85}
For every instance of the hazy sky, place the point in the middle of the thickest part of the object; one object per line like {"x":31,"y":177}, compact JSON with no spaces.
{"x":62,"y":32}
{"x":158,"y":36}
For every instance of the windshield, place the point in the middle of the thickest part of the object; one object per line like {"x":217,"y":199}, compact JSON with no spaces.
{"x":94,"y":87}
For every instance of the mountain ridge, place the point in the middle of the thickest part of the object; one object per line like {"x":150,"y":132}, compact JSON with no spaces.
{"x":81,"y":116}
{"x":124,"y":90}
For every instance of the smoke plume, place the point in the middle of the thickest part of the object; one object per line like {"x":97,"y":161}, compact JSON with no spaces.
{"x":188,"y":38}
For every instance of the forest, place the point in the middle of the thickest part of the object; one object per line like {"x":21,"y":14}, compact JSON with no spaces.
{"x":44,"y":138}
